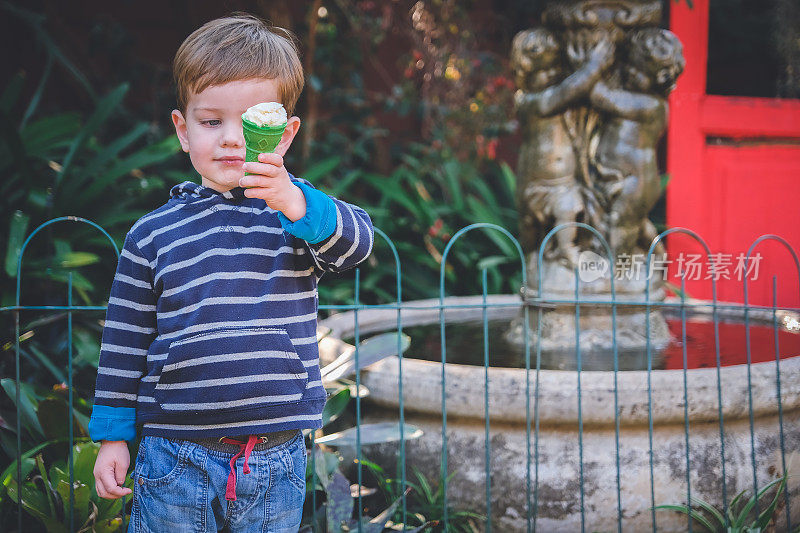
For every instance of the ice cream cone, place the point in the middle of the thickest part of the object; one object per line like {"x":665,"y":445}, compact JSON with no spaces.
{"x":260,"y":139}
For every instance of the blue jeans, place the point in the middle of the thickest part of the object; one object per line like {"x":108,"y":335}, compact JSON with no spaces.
{"x":179,"y":486}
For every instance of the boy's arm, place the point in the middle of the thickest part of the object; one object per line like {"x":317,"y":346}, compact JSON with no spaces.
{"x":130,"y":328}
{"x":339,"y":235}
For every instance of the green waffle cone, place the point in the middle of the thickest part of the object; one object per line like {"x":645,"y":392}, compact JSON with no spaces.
{"x":260,"y":139}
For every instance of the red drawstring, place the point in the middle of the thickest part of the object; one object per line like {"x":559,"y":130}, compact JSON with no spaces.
{"x":246,"y":448}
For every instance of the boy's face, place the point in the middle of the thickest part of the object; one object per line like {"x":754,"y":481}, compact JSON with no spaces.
{"x":211,"y":131}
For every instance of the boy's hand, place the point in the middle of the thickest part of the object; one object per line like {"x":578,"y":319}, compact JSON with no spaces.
{"x":110,"y":469}
{"x":270,"y":181}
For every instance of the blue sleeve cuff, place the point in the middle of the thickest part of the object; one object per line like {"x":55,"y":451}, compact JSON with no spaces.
{"x":319,"y":223}
{"x":112,"y":423}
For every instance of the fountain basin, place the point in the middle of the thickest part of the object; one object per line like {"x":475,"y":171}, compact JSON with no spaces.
{"x":559,"y":443}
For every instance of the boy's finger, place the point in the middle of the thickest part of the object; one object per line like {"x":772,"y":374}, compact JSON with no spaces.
{"x":255,"y":180}
{"x":113,"y":490}
{"x":262,"y":169}
{"x":119,"y":473}
{"x":258,"y":192}
{"x":271,"y":158}
{"x":107,"y":479}
{"x":118,"y":492}
{"x":99,"y":487}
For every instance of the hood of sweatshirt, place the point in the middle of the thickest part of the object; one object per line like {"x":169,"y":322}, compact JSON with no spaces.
{"x":188,"y":191}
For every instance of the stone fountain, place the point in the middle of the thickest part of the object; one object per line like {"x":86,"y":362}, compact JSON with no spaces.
{"x":592,"y":87}
{"x":558,"y":447}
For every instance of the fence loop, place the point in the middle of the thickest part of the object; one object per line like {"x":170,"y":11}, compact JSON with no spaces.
{"x":69,"y":218}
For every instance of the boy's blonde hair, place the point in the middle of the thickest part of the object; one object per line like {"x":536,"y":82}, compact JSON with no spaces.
{"x":238,"y":47}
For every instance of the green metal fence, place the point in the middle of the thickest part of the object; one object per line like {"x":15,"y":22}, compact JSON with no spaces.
{"x":533,"y":369}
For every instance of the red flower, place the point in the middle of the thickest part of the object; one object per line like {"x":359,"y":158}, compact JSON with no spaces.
{"x":491,"y":149}
{"x":501,"y":81}
{"x":434,"y":230}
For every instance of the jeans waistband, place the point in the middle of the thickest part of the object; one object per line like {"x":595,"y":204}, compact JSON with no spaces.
{"x":265,"y":441}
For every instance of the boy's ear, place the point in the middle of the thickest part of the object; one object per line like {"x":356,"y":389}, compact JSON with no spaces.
{"x":292,"y":126}
{"x":180,"y":129}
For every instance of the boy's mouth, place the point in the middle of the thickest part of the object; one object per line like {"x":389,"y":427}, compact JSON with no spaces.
{"x":233,"y":161}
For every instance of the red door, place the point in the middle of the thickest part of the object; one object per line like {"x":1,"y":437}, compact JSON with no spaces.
{"x":734,"y":166}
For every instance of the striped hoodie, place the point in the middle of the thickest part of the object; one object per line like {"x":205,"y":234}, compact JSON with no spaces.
{"x":210,"y":328}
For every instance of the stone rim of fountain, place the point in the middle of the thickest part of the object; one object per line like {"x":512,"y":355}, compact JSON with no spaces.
{"x":558,"y":393}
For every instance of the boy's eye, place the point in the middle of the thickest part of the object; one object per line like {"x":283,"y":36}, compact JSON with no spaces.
{"x":211,"y":122}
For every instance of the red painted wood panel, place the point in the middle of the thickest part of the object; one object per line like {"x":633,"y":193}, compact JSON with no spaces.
{"x":752,"y":191}
{"x":731,"y":193}
{"x":726,"y":116}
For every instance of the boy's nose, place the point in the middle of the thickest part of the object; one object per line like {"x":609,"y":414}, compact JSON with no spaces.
{"x":233,"y":136}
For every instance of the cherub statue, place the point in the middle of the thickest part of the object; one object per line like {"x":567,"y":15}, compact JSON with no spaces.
{"x":635,"y":118}
{"x":549,"y":190}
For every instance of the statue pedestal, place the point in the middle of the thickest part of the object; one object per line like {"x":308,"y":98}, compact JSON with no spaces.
{"x":559,"y":337}
{"x":597,"y":326}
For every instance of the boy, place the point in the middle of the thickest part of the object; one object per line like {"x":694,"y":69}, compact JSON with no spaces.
{"x":210,"y":335}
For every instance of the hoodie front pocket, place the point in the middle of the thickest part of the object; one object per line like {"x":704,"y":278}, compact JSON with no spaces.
{"x":230,"y":370}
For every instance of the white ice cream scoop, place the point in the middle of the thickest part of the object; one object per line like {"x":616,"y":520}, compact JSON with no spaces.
{"x":266,"y":114}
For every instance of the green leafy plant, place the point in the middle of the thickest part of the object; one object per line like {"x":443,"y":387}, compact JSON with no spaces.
{"x":420,"y":206}
{"x":97,"y":163}
{"x":323,"y":474}
{"x":45,"y":493}
{"x":337,"y":496}
{"x":428,"y":501}
{"x":56,"y":166}
{"x":42,"y":419}
{"x":336,"y":513}
{"x":341,"y":390}
{"x":421,"y":152}
{"x":425,"y":504}
{"x":738,"y":516}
